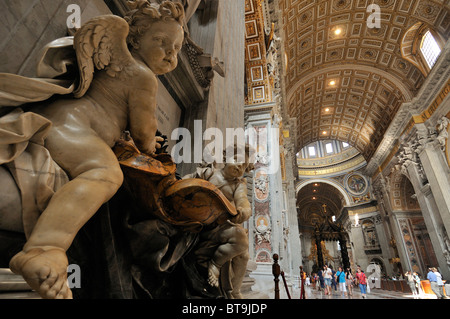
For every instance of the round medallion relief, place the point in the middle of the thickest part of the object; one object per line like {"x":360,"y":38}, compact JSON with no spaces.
{"x":356,"y":184}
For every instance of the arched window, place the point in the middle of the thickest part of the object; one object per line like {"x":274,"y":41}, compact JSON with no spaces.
{"x":421,"y":45}
{"x":430,"y":49}
{"x":312,"y":151}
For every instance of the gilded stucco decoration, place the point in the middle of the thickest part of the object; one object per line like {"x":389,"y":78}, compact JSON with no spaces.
{"x":258,"y":67}
{"x":335,"y":61}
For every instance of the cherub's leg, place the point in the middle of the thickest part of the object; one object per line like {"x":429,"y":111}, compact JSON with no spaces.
{"x":234,"y":242}
{"x":96,"y":176}
{"x":239,"y":265}
{"x":10,"y":204}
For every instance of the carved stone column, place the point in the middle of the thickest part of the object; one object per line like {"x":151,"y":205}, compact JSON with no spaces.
{"x":437,"y":172}
{"x":430,"y":212}
{"x":344,"y":252}
{"x":384,"y":221}
{"x":294,"y":245}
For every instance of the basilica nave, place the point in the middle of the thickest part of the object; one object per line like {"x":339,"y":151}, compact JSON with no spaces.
{"x":349,"y":99}
{"x":363,"y":133}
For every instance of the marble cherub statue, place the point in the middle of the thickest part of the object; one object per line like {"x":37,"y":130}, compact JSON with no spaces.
{"x":442,"y":137}
{"x":227,"y":242}
{"x":119,"y":60}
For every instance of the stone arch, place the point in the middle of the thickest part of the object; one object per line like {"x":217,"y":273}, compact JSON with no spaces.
{"x":411,"y":42}
{"x":401,"y":192}
{"x":409,"y":46}
{"x":336,"y":185}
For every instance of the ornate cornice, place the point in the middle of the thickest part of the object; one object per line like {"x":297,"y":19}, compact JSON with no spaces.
{"x":333,"y":169}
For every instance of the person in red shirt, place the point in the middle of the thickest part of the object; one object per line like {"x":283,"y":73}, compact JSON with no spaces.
{"x":362,"y":281}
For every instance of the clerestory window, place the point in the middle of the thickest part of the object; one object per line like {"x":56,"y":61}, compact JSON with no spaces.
{"x":430,"y":49}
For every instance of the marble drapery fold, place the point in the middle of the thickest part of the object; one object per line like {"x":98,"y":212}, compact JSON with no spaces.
{"x":22,"y":134}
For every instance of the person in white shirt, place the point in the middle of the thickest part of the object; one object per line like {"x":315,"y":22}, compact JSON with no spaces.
{"x":327,"y":275}
{"x":440,"y":283}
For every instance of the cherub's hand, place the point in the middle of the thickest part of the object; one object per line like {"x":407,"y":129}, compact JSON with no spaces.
{"x":243,"y":214}
{"x":158,"y":139}
{"x":151,"y":148}
{"x":153,"y":145}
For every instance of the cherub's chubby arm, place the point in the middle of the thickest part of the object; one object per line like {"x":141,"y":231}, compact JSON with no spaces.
{"x":142,"y":114}
{"x":201,"y":172}
{"x":241,"y":203}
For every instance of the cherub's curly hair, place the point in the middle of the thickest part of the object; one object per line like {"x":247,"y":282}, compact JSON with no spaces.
{"x":143,"y":14}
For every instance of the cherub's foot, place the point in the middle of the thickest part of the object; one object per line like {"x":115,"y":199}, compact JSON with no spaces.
{"x":213,"y":274}
{"x":237,"y":295}
{"x":45,"y":271}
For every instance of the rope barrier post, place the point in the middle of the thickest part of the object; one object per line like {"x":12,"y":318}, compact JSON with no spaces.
{"x":285,"y":285}
{"x":276,"y":274}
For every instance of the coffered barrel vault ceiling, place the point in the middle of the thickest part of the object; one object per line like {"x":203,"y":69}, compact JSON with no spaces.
{"x":310,"y":201}
{"x":371,"y":78}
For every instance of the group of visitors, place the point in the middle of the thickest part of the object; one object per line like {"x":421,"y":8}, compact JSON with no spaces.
{"x":413,"y":280}
{"x":327,"y":279}
{"x":436,"y":283}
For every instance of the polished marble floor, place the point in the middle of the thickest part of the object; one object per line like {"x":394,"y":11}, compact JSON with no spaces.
{"x":312,"y":293}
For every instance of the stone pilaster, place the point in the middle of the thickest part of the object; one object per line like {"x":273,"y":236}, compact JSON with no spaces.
{"x":430,"y":212}
{"x":385,"y":221}
{"x":437,"y":173}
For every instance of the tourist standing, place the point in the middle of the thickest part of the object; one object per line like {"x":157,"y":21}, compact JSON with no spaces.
{"x":349,"y":280}
{"x":327,"y":274}
{"x":321,"y":280}
{"x":439,"y":282}
{"x":362,"y":281}
{"x":333,"y":281}
{"x":411,"y":283}
{"x":340,"y":279}
{"x":418,"y":285}
{"x":447,"y":288}
{"x":313,"y":280}
{"x":431,"y":276}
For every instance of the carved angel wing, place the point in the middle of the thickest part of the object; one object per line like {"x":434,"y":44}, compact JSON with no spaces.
{"x":101,"y":43}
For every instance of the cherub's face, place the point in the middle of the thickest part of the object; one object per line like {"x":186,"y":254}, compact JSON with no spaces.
{"x":159,"y":46}
{"x":235,"y":168}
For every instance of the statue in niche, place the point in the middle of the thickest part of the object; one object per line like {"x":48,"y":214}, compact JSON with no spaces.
{"x":227,"y":242}
{"x":446,"y":240}
{"x":263,"y":230}
{"x":263,"y":237}
{"x":442,"y":131}
{"x":370,"y":236}
{"x":69,"y":159}
{"x":374,"y":275}
{"x":262,"y":224}
{"x":261,"y":183}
